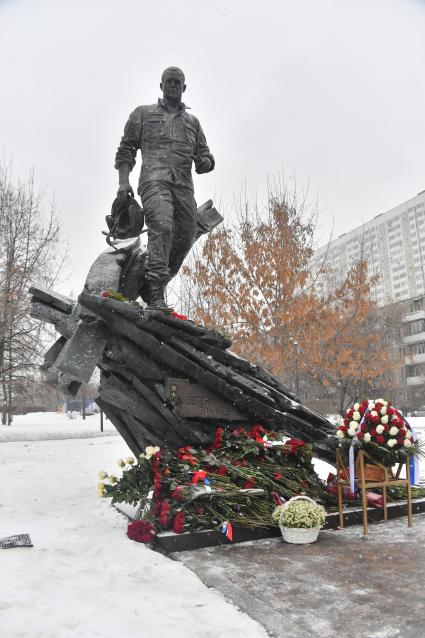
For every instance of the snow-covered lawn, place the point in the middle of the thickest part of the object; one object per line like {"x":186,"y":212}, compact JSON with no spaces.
{"x":51,"y":425}
{"x":83,"y":577}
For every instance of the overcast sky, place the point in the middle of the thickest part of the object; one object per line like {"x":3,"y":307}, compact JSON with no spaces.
{"x":332,"y":91}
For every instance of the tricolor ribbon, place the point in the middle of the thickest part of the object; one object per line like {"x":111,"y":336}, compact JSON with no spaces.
{"x":227,"y":529}
{"x":201,"y":475}
{"x":351,"y":461}
{"x":413,"y":459}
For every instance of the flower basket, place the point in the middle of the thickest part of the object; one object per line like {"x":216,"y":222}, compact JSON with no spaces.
{"x":298,"y":535}
{"x":372,"y":473}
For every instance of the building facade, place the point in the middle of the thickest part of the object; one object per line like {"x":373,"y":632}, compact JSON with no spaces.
{"x":412,"y":382}
{"x":393,"y":244}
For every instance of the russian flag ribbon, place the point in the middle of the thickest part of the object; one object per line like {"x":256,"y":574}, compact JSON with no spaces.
{"x":227,"y":529}
{"x":413,"y":459}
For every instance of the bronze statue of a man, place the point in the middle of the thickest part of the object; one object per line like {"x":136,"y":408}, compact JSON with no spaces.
{"x":170,"y":139}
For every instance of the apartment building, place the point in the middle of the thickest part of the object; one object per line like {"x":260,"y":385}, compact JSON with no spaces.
{"x":393,"y":243}
{"x":412,"y":381}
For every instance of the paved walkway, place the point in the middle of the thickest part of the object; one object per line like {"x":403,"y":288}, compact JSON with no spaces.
{"x":343,"y":585}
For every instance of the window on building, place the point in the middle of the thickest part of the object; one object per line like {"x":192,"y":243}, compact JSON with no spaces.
{"x":417,"y":370}
{"x":417,"y":348}
{"x":416,"y":305}
{"x":414,"y":327}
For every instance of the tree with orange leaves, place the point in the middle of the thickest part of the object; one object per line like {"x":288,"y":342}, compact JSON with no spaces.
{"x":254,"y":281}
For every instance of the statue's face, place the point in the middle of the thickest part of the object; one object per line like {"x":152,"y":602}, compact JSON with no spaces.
{"x":173,"y":85}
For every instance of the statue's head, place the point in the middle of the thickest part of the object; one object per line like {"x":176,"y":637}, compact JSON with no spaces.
{"x":173,"y":83}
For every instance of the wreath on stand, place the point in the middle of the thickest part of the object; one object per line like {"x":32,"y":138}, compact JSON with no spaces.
{"x":381,"y":430}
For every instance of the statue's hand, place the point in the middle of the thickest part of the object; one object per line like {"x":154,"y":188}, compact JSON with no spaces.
{"x":124,"y":191}
{"x":203,"y":165}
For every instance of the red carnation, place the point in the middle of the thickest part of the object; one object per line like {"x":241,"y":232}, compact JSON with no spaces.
{"x":222,"y":470}
{"x":360,"y":435}
{"x":163,"y":513}
{"x":199,"y":475}
{"x":277,"y":476}
{"x":176,"y":315}
{"x":106,"y":293}
{"x":380,"y":439}
{"x":343,"y":428}
{"x":177,"y":494}
{"x":249,"y":484}
{"x":257,"y":431}
{"x":331,"y":478}
{"x":218,"y":439}
{"x":141,"y":531}
{"x":349,"y":414}
{"x":178,"y":522}
{"x":276,"y":498}
{"x":295,"y":444}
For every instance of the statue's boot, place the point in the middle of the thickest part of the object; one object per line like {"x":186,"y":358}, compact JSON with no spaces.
{"x":156,"y":297}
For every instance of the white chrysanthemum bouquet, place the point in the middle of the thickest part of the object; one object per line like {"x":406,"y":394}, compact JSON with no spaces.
{"x":304,"y":514}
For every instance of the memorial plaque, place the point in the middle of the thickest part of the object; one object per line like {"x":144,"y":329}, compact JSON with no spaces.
{"x":192,"y":400}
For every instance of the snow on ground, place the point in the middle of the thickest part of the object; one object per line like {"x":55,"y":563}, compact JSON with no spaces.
{"x":83,"y":577}
{"x":52,"y":425}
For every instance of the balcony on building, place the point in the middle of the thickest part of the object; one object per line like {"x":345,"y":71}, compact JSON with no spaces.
{"x":414,"y":316}
{"x":415,"y":380}
{"x":414,"y":358}
{"x":420,"y":336}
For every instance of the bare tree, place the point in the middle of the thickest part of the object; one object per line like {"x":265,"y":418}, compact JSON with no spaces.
{"x":32,"y":251}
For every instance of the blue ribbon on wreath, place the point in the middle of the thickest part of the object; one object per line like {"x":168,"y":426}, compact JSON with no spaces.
{"x":413,"y":459}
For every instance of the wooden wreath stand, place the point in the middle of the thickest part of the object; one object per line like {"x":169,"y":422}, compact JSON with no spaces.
{"x":364,"y":482}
